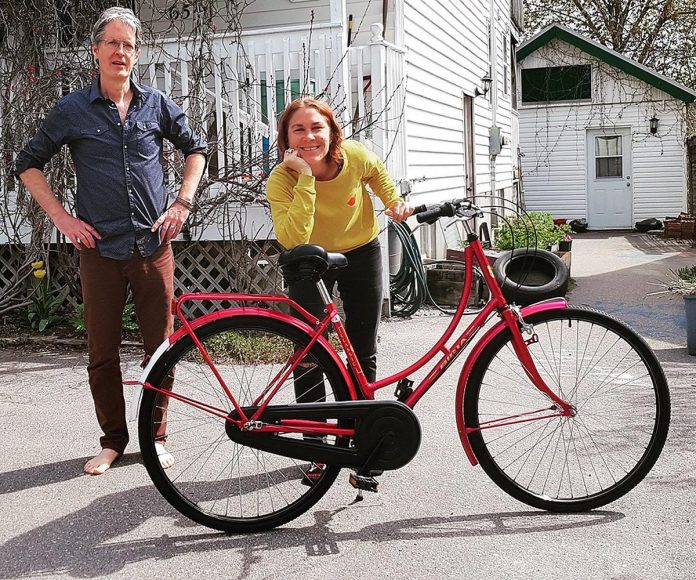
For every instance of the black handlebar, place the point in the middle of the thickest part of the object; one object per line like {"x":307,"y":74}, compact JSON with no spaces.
{"x":430,"y":215}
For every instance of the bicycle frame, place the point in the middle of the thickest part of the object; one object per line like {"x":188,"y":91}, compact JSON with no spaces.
{"x":512,"y":318}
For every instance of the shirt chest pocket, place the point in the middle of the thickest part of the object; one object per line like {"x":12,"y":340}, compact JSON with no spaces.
{"x":148,"y":139}
{"x":98,"y":139}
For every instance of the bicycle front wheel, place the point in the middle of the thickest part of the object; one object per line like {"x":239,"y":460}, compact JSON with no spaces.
{"x":566,"y":464}
{"x":215,"y":481}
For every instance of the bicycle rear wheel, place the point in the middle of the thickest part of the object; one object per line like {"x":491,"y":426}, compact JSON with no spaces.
{"x":215,"y":481}
{"x":566,"y":464}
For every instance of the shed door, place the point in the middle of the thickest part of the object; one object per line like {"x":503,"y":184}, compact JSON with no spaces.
{"x":609,"y":191}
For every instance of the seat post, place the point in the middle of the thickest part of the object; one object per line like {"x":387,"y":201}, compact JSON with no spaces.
{"x":324,"y":293}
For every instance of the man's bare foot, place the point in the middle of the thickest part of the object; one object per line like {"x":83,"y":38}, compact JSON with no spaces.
{"x":99,"y":464}
{"x":166,"y":459}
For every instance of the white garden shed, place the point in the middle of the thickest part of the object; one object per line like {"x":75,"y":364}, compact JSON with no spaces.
{"x":602,"y":137}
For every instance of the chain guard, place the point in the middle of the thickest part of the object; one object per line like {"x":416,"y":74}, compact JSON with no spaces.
{"x":387,"y":433}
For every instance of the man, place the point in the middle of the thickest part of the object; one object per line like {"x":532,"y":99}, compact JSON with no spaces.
{"x":123,"y":229}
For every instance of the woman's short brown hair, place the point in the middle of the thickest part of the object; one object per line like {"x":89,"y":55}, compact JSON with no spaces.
{"x":336,"y":133}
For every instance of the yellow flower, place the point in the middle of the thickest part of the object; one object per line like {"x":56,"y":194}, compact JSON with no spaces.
{"x":37,"y":265}
{"x":39,"y":273}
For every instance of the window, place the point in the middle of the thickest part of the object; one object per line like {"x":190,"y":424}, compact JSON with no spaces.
{"x":558,"y":83}
{"x":608,"y":157}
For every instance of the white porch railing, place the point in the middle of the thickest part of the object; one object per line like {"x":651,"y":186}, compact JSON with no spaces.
{"x":248,"y":84}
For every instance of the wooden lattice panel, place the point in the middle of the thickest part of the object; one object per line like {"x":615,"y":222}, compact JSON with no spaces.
{"x":11,"y":259}
{"x":211,"y":266}
{"x":217,"y":266}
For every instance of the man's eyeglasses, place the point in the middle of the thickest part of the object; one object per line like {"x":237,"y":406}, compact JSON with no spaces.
{"x":128,"y":48}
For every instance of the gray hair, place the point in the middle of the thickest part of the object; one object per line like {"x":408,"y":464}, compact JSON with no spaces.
{"x":120,"y":14}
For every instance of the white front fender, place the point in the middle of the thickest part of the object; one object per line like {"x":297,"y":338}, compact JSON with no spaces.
{"x":138,"y":390}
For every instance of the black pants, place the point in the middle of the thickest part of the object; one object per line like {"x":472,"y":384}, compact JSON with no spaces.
{"x":360,"y":286}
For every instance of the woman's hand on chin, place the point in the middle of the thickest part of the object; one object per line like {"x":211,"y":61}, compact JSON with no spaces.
{"x":292,"y":160}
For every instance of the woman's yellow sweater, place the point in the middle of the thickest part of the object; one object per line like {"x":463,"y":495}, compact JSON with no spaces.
{"x":336,"y":214}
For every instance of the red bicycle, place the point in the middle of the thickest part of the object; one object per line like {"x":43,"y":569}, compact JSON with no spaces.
{"x":565,"y":408}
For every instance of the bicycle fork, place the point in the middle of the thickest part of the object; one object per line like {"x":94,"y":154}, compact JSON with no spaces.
{"x":518,"y":327}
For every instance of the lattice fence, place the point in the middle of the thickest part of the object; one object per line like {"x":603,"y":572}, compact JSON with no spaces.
{"x":210,"y":266}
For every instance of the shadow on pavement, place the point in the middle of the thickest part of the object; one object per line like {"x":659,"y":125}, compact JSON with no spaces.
{"x":624,"y":295}
{"x":656,"y":245}
{"x":38,"y":476}
{"x":85,"y":543}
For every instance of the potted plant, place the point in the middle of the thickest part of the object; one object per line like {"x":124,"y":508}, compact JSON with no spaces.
{"x":566,"y":243}
{"x":683,"y":281}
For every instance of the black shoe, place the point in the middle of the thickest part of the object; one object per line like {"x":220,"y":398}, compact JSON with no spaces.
{"x":314,"y":473}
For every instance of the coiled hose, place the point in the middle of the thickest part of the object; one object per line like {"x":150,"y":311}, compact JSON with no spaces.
{"x":408,"y":287}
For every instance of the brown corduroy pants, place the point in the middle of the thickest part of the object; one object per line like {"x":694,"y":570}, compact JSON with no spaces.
{"x":105,"y":284}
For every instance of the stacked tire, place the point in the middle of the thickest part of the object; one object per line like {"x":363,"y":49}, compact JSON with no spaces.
{"x":528,"y":275}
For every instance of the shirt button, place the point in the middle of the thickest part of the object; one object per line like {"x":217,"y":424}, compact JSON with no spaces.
{"x":125,"y":146}
{"x":119,"y":124}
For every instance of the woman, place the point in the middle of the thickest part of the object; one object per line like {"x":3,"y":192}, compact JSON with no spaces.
{"x":318,"y":195}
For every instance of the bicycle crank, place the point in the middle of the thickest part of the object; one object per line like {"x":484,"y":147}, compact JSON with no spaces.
{"x":387,"y":434}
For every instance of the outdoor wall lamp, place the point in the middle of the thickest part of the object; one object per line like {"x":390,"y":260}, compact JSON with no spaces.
{"x":653,"y":124}
{"x":486,"y":82}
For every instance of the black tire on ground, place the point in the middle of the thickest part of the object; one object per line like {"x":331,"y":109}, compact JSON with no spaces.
{"x":528,"y":275}
{"x":581,"y":462}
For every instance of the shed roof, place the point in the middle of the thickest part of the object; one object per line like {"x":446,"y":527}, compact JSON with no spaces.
{"x":611,"y":57}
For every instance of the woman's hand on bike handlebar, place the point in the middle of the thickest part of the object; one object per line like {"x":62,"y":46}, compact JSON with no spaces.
{"x":399,"y":211}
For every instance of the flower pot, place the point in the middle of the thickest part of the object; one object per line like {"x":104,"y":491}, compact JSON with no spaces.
{"x":565,"y":245}
{"x":690,"y":307}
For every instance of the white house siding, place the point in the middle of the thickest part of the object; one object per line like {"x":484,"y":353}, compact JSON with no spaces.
{"x":447,"y":43}
{"x":257,"y":14}
{"x":261,"y":14}
{"x":503,"y":99}
{"x":553,"y":141}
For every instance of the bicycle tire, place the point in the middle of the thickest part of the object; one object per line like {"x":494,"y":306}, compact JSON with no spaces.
{"x":570,"y":464}
{"x":215,"y":481}
{"x":528,"y":275}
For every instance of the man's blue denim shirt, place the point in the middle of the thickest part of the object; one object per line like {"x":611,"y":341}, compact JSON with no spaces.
{"x":120,"y":177}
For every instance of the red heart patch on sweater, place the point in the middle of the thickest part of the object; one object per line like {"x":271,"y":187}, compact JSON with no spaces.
{"x":351,"y":201}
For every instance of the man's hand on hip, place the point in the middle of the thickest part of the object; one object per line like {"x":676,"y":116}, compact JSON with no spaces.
{"x":78,"y":232}
{"x":171,"y":222}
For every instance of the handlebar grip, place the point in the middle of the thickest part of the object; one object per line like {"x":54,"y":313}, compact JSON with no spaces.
{"x":432,"y":215}
{"x":420,"y":209}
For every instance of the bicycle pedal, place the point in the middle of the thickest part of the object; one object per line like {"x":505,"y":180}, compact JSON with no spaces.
{"x":363,"y":482}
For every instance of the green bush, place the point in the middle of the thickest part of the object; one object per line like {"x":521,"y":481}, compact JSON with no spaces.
{"x":533,"y":230}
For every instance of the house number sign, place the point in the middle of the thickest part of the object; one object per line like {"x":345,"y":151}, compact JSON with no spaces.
{"x":179,"y":11}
